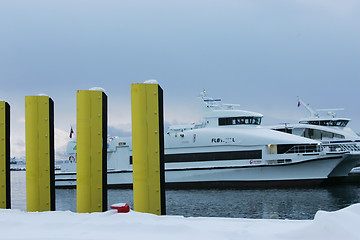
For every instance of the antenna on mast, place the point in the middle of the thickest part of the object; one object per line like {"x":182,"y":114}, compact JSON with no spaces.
{"x":331,"y":112}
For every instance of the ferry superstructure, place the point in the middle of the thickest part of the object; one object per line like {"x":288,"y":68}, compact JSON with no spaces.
{"x":332,"y":131}
{"x":228,"y":148}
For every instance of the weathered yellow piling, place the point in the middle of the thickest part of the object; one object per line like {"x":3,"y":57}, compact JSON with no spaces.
{"x":5,"y":155}
{"x":148,"y":148}
{"x":91,"y":151}
{"x":39,"y":131}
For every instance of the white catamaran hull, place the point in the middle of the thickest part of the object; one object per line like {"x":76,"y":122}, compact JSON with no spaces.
{"x":349,"y":161}
{"x":313,"y":169}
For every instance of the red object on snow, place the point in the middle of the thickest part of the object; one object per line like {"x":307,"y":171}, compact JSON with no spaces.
{"x":121,"y":207}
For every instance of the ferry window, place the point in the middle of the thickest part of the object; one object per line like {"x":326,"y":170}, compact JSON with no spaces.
{"x":339,"y":136}
{"x":301,"y":148}
{"x":324,"y":123}
{"x":308,"y":133}
{"x":338,"y":123}
{"x":222,"y":121}
{"x":285,"y":130}
{"x":331,"y":123}
{"x":240,"y":121}
{"x":343,"y":123}
{"x":318,"y":134}
{"x":283,"y":148}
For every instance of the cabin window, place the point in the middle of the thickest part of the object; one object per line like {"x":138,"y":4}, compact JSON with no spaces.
{"x":300,"y":148}
{"x":209,"y":156}
{"x":336,"y":123}
{"x":272,"y":149}
{"x":319,"y":134}
{"x":240,"y":121}
{"x":213,"y":156}
{"x":285,"y":130}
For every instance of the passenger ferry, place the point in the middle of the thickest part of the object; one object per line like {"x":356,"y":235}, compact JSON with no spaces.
{"x":229,"y":148}
{"x":332,"y":131}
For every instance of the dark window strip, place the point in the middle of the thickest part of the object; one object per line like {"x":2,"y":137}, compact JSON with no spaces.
{"x":211,"y":156}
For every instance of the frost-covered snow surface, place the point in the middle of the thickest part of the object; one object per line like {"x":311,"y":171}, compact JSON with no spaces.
{"x":15,"y":224}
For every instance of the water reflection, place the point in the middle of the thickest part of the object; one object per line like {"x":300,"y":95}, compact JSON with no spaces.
{"x":255,"y":203}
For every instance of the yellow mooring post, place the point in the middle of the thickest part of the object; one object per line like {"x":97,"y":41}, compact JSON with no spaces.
{"x":4,"y":155}
{"x":39,"y":137}
{"x":148,"y":148}
{"x":91,"y":151}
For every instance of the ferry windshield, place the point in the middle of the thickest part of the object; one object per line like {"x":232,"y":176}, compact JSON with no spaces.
{"x":336,"y":123}
{"x":240,"y":121}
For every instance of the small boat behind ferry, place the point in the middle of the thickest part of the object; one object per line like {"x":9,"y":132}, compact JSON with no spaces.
{"x":229,"y":148}
{"x":333,"y":133}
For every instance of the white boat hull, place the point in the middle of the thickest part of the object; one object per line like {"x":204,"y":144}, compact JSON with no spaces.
{"x":312,"y":169}
{"x":349,"y":161}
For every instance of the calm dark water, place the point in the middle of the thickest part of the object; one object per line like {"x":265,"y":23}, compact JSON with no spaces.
{"x":257,"y":203}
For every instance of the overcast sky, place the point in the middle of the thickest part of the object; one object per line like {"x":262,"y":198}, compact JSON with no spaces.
{"x":260,"y":54}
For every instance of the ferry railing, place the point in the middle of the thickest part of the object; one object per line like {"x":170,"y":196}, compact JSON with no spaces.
{"x":330,"y":148}
{"x":352,"y":147}
{"x":304,"y":149}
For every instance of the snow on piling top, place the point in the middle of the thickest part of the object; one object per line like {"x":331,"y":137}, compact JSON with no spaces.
{"x":97,"y":89}
{"x":151,"y":81}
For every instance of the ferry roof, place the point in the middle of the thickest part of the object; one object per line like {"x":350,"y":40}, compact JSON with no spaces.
{"x":214,"y":108}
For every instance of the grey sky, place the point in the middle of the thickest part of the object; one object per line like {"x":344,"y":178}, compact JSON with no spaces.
{"x":260,"y":54}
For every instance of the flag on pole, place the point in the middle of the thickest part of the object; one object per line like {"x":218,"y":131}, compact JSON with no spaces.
{"x":71,"y":132}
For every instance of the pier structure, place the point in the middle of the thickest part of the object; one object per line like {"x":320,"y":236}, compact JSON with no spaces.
{"x":5,"y":199}
{"x":39,"y":137}
{"x":91,"y":132}
{"x":148,"y":148}
{"x":148,"y":151}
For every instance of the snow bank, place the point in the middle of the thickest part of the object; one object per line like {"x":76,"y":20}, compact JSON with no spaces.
{"x":15,"y":224}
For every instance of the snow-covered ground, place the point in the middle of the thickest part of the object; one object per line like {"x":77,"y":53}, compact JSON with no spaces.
{"x":16,"y":224}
